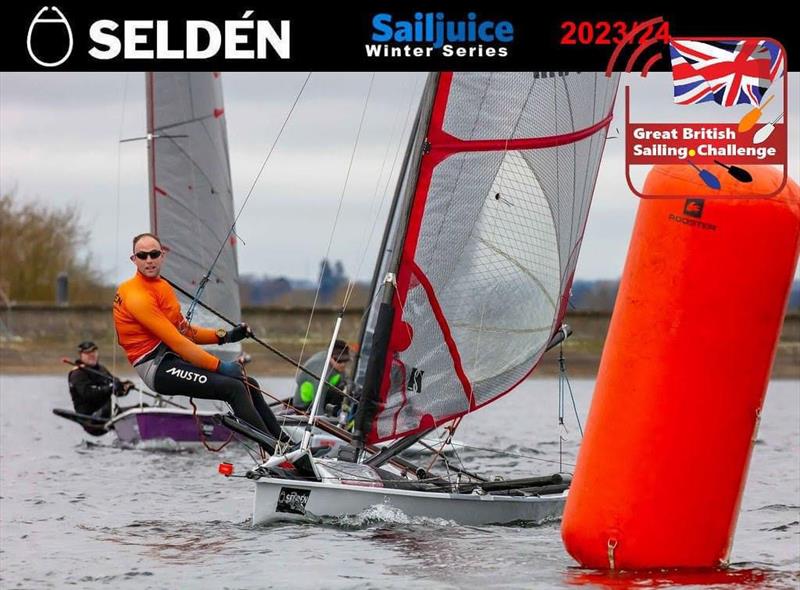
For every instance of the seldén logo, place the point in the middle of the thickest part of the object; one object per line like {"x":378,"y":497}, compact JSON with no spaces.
{"x":50,"y":39}
{"x":434,"y":33}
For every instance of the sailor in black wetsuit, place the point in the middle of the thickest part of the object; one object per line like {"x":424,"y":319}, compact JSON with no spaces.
{"x":91,"y":388}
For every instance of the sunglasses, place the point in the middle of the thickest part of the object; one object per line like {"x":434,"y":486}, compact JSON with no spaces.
{"x":154,"y":254}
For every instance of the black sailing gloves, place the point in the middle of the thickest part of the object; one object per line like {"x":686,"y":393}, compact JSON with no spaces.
{"x":240,"y":332}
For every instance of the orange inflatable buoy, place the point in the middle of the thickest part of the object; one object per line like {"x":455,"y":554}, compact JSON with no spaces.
{"x":683,"y":375}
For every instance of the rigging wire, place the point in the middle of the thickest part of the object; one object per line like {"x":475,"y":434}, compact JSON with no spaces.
{"x":500,"y":452}
{"x":341,"y":202}
{"x":563,"y":375}
{"x":116,"y":220}
{"x":376,"y":288}
{"x":336,"y":222}
{"x":255,"y":455}
{"x":206,"y":277}
{"x":392,"y":482}
{"x":454,"y":444}
{"x":439,"y":453}
{"x":409,"y":117}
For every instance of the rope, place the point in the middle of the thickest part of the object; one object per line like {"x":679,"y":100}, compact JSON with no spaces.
{"x":116,"y":231}
{"x":408,"y":118}
{"x":202,"y":433}
{"x":333,"y":230}
{"x":206,"y":277}
{"x":439,"y":453}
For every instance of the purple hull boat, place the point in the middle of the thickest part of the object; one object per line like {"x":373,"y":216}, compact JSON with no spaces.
{"x":167,"y":424}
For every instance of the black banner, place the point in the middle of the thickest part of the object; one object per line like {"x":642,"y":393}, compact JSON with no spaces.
{"x":359,"y":36}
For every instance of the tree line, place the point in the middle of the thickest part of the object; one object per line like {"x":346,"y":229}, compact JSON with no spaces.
{"x":38,"y":243}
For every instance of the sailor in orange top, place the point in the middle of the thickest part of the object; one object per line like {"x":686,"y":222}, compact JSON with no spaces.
{"x":163,"y":347}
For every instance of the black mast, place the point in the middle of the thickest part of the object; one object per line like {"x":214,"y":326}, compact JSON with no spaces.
{"x":386,"y":233}
{"x":383,"y":325}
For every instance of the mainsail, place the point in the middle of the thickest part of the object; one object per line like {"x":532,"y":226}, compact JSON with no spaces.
{"x":191,"y":199}
{"x":484,"y":249}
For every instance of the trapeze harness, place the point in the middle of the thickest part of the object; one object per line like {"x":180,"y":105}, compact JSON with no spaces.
{"x":163,"y":348}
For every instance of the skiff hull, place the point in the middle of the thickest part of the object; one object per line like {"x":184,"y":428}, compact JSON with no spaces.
{"x":167,"y":424}
{"x":284,"y":499}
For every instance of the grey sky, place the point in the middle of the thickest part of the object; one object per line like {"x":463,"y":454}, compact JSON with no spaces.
{"x":59,"y":143}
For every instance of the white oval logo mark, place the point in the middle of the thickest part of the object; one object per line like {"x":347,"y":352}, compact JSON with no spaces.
{"x":38,"y":20}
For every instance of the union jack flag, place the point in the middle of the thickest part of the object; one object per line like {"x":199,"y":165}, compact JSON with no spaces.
{"x":725,"y":72}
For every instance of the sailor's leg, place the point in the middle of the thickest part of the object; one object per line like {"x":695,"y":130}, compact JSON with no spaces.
{"x":264,"y":411}
{"x":174,"y":376}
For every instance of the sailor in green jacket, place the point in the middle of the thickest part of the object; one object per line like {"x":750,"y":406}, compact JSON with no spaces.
{"x":307,"y":386}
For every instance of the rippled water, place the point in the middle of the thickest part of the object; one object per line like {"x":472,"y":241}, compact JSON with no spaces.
{"x":95,"y":515}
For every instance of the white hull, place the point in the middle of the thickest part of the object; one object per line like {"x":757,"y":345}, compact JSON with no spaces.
{"x":283,"y":499}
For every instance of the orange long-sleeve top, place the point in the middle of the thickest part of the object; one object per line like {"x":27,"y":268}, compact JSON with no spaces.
{"x":147,"y":312}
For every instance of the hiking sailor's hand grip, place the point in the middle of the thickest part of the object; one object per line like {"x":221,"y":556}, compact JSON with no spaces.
{"x":240,"y":332}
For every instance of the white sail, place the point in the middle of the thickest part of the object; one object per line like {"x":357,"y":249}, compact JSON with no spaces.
{"x":497,"y":212}
{"x":191,"y":198}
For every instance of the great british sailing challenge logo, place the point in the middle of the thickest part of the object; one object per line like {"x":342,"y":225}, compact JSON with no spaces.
{"x":736,"y":90}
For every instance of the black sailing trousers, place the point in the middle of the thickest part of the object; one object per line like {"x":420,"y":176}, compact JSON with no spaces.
{"x":174,"y":376}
